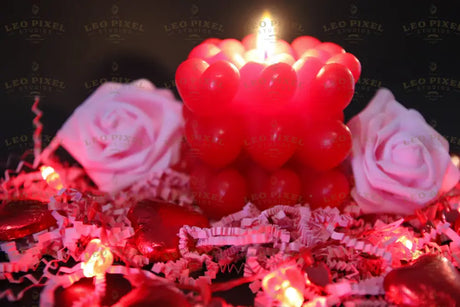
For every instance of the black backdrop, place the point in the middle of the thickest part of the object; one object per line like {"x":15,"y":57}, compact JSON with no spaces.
{"x":62,"y":50}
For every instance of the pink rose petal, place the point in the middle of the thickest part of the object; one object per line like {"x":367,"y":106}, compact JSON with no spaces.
{"x":124,"y":132}
{"x":399,"y":162}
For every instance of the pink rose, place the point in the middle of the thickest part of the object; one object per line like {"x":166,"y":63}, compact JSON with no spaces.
{"x":123,"y":132}
{"x":399,"y":162}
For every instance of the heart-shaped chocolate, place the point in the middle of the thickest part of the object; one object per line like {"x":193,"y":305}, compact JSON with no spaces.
{"x":430,"y":281}
{"x":154,"y":293}
{"x":319,"y":274}
{"x":157,"y":225}
{"x":20,"y":218}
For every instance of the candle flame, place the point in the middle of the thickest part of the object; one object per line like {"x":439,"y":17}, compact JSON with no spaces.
{"x":98,"y":258}
{"x":51,"y":177}
{"x":266,"y":37}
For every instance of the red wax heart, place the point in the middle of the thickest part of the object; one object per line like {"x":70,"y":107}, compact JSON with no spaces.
{"x":277,"y":84}
{"x":303,"y":43}
{"x":282,"y":187}
{"x":430,"y":281}
{"x":332,"y":89}
{"x":218,"y":193}
{"x":324,"y":144}
{"x":232,"y":45}
{"x":306,"y":70}
{"x":350,"y":61}
{"x":249,"y":80}
{"x":321,"y":55}
{"x":157,"y":225}
{"x":204,"y":51}
{"x":188,"y":78}
{"x":218,"y":85}
{"x":324,"y":189}
{"x":332,"y":48}
{"x":249,"y":41}
{"x":271,"y":140}
{"x":216,"y":140}
{"x":20,"y":218}
{"x":212,"y":40}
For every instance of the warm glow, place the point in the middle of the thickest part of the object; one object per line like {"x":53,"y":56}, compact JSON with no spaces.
{"x":285,"y":285}
{"x":46,"y":171}
{"x":97,"y":258}
{"x":292,"y":297}
{"x":266,"y":38}
{"x":417,"y":254}
{"x":456,"y":160}
{"x":51,"y":177}
{"x":317,"y":301}
{"x":406,"y":242}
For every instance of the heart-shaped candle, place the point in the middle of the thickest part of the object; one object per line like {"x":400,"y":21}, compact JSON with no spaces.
{"x":266,"y":76}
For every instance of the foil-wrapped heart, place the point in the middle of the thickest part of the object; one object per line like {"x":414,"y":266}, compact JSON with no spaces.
{"x":20,"y":218}
{"x":157,"y":225}
{"x":155,"y":294}
{"x":430,"y":281}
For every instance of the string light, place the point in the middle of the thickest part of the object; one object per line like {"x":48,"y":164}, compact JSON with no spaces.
{"x":293,"y":297}
{"x":97,"y":258}
{"x":406,"y":242}
{"x":51,"y":177}
{"x":455,"y":160}
{"x":286,"y":285}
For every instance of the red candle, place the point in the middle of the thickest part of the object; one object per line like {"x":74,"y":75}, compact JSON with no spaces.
{"x":270,"y":90}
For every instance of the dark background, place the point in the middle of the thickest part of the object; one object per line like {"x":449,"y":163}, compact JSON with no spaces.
{"x":61,"y":51}
{"x":399,"y":43}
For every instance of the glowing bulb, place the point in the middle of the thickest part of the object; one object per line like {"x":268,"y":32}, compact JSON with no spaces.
{"x":286,"y":285}
{"x":293,"y":297}
{"x":51,"y":177}
{"x":406,"y":242}
{"x":46,"y":171}
{"x":97,"y":258}
{"x":266,"y":38}
{"x":416,"y":254}
{"x":455,"y":160}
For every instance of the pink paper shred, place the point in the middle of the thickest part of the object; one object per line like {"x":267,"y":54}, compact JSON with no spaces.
{"x":37,"y":135}
{"x":358,"y":252}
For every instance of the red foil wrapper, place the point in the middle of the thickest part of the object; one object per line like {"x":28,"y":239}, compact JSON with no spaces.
{"x":154,"y":294}
{"x":20,"y":218}
{"x":157,"y":225}
{"x":430,"y":281}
